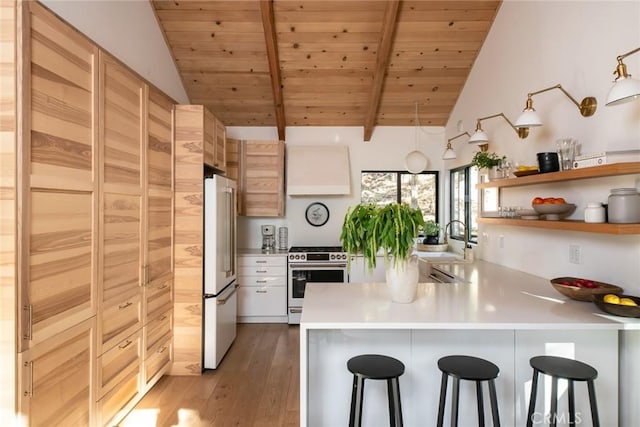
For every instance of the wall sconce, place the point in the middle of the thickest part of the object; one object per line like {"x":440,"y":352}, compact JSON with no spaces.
{"x":481,"y":138}
{"x":449,"y":154}
{"x":529,"y":117}
{"x":624,"y":88}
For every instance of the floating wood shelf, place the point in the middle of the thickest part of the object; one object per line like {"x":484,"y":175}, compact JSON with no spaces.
{"x":569,"y":225}
{"x":615,"y":169}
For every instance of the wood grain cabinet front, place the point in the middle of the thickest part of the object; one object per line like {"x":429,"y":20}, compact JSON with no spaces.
{"x":261,"y":181}
{"x":157,"y":346}
{"x":195,"y":123}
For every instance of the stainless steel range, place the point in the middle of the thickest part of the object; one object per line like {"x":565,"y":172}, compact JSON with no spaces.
{"x":312,"y":264}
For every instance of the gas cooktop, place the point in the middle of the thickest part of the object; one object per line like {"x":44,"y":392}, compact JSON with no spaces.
{"x":307,"y":249}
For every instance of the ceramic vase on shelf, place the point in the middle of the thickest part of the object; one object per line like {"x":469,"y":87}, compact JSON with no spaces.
{"x":494,"y":173}
{"x":402,"y":279}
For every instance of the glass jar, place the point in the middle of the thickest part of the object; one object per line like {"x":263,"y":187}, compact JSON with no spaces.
{"x":624,"y":206}
{"x":594,"y":212}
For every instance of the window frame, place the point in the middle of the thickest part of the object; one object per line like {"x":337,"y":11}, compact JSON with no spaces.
{"x":399,"y":174}
{"x":467,"y":170}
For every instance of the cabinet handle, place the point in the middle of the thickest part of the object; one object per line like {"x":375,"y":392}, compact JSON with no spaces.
{"x":261,"y":281}
{"x":125,"y":345}
{"x":162,"y":349}
{"x":164,"y":285}
{"x":29,"y":392}
{"x":164,"y":316}
{"x":261,"y":261}
{"x":261,"y":291}
{"x":261,"y":271}
{"x":29,"y":330}
{"x":125,"y":305}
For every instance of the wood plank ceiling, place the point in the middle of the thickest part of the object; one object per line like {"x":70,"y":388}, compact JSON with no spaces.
{"x":325,"y":63}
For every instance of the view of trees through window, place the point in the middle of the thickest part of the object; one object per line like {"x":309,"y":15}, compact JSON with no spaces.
{"x":419,"y":190}
{"x":464,"y":202}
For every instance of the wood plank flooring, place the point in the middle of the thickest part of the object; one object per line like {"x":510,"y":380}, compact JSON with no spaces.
{"x":257,"y":384}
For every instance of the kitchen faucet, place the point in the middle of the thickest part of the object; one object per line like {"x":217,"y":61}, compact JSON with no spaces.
{"x":464,"y":234}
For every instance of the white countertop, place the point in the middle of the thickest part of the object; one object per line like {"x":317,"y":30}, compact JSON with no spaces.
{"x":495,"y":297}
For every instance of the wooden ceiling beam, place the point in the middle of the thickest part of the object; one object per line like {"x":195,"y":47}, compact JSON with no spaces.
{"x":266,"y":11}
{"x":386,"y":42}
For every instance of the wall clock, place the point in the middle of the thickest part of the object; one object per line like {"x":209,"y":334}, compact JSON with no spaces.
{"x":317,"y":214}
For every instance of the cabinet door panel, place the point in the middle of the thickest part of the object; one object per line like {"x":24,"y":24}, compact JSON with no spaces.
{"x":119,"y":362}
{"x":159,"y":144}
{"x":221,"y":146}
{"x":265,"y":301}
{"x":114,"y":403}
{"x":159,"y":296}
{"x":119,"y":320}
{"x":56,"y":377}
{"x":249,"y":260}
{"x":159,"y":235}
{"x":209,"y":138}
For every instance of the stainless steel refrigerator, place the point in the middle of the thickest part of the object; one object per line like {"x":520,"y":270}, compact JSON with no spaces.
{"x":220,"y":298}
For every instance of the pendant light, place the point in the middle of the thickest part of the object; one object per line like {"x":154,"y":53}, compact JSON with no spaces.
{"x":624,"y":88}
{"x":415,"y":161}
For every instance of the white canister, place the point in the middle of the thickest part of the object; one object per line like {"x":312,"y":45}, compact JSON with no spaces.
{"x":624,"y":206}
{"x":594,"y":212}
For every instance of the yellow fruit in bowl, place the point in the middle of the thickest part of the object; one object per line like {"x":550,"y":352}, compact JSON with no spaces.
{"x":612,"y":299}
{"x":628,"y":301}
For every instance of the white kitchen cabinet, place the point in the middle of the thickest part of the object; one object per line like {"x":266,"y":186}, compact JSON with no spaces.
{"x":262,"y":292}
{"x":360,"y":273}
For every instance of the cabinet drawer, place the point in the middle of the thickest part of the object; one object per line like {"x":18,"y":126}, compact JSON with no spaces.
{"x":248,"y":260}
{"x":157,"y":331}
{"x":158,"y":297}
{"x":262,"y":270}
{"x":119,"y":363}
{"x":262,"y":281}
{"x":269,"y":301}
{"x":113,"y":406}
{"x":157,"y":360}
{"x":119,"y":320}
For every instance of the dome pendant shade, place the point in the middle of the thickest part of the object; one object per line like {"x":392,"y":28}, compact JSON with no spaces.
{"x":449,"y":154}
{"x":528,"y":118}
{"x":415,"y":162}
{"x":479,"y":137}
{"x":623,"y":91}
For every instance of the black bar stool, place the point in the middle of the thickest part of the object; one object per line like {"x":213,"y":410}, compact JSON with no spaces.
{"x":472,"y":369}
{"x":375,"y":367}
{"x":570,"y":370}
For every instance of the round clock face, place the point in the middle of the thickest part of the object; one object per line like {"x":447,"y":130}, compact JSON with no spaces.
{"x":317,"y":214}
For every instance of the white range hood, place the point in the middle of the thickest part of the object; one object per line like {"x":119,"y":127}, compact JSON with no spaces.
{"x":318,"y":170}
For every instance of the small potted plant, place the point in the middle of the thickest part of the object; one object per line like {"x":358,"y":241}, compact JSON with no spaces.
{"x":431,"y":232}
{"x":489,"y":161}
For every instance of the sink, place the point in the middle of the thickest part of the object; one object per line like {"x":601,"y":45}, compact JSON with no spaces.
{"x":439,"y":256}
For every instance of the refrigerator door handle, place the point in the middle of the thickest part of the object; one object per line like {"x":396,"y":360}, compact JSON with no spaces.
{"x":221,"y":301}
{"x":228,"y":200}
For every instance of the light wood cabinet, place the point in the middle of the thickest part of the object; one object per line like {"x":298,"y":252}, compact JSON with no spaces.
{"x":198,"y":125}
{"x":261,"y":180}
{"x":262,"y":292}
{"x":233,"y":159}
{"x":220,"y":157}
{"x":616,"y":169}
{"x":56,"y":378}
{"x":157,"y":347}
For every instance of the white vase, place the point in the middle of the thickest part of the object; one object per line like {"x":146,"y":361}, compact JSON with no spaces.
{"x":402,"y":279}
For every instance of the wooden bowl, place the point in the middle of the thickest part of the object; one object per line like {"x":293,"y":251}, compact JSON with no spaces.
{"x":617,"y":309}
{"x":583,"y":294}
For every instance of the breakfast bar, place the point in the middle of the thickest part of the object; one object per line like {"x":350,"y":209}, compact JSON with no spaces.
{"x":499,"y":314}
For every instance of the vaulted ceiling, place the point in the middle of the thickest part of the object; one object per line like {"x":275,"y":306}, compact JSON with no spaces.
{"x":325,"y":63}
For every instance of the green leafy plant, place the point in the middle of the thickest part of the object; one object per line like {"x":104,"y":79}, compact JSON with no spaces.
{"x":431,"y":228}
{"x":368,"y":228}
{"x":485,"y":160}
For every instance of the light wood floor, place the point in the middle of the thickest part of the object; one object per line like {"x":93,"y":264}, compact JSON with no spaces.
{"x":257,"y":384}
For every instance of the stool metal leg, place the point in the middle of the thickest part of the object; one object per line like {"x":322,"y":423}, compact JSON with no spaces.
{"x":572,"y":403}
{"x":532,"y":398}
{"x":494,"y":403}
{"x":443,"y":397}
{"x":357,"y":394}
{"x":554,"y":402}
{"x":480,"y":399}
{"x":395,"y":407}
{"x":595,"y":419}
{"x":455,"y":400}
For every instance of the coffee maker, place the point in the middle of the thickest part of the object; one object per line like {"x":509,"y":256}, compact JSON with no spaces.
{"x":268,"y":237}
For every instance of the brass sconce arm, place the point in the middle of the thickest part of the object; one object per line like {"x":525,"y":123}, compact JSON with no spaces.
{"x":621,"y":69}
{"x":522,"y":132}
{"x":587,"y":107}
{"x":456,"y":137}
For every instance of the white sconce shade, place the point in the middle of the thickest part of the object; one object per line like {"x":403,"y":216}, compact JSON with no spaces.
{"x":625,"y":89}
{"x":479,"y":137}
{"x":415,"y":162}
{"x":449,"y":154}
{"x":529,"y":118}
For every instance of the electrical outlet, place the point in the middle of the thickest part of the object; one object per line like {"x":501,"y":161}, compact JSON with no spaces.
{"x":575,"y":254}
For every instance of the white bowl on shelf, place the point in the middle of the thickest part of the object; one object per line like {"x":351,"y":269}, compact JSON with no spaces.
{"x":554,"y":211}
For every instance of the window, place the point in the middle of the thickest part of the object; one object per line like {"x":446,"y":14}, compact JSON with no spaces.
{"x":464,"y":202}
{"x":419,"y":190}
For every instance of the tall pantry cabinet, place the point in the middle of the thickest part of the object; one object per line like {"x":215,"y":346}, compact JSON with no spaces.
{"x":93,"y":203}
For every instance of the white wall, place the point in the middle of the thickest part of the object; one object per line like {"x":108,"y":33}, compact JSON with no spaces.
{"x":533,"y":45}
{"x":386,"y":151}
{"x":128,"y":30}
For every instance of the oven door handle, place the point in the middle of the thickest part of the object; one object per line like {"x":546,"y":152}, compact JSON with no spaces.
{"x":317,"y":266}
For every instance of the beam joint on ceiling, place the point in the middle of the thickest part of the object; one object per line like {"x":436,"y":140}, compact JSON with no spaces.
{"x":382,"y":62}
{"x":268,"y":24}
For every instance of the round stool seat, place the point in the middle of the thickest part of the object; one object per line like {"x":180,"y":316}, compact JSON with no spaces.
{"x":564,"y":368}
{"x":375,"y":366}
{"x":468,"y":368}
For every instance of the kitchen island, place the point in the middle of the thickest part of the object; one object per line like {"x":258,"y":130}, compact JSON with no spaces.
{"x":500,"y":314}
